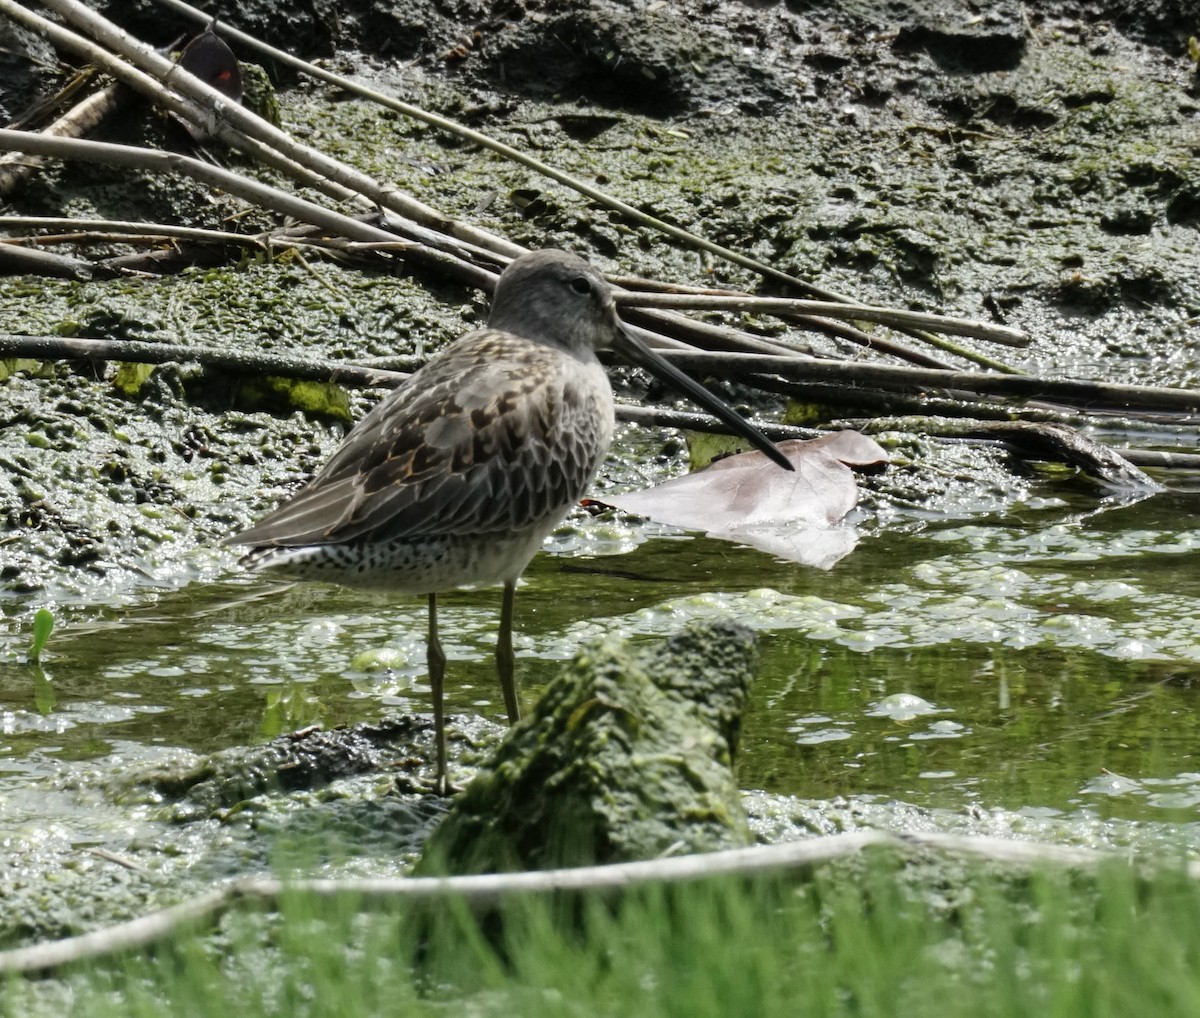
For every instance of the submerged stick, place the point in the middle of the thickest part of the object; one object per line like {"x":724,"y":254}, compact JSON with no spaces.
{"x":100,"y":227}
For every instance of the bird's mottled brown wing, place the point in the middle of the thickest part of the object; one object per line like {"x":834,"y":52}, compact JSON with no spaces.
{"x":494,"y":434}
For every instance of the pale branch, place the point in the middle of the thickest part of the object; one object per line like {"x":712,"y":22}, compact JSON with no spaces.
{"x":931,"y":425}
{"x":895,"y":317}
{"x":157,"y":161}
{"x":241,"y":128}
{"x":1162,"y":459}
{"x":688,"y":333}
{"x":443,"y":123}
{"x":937,"y":424}
{"x":830,"y":327}
{"x":171,"y":256}
{"x":686,"y":420}
{"x":840,"y":400}
{"x":89,"y":237}
{"x":264,"y":195}
{"x":200,"y":104}
{"x":113,"y":940}
{"x":487,"y":891}
{"x":856,"y":336}
{"x":105,"y":228}
{"x":711,"y":336}
{"x":76,"y":122}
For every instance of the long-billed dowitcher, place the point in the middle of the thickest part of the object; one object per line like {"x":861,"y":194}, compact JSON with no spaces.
{"x":457,"y":477}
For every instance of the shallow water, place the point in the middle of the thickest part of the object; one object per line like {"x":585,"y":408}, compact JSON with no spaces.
{"x":1004,"y":653}
{"x":1032,"y":668}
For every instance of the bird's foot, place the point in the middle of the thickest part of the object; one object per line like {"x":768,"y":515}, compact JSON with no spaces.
{"x":440,"y":786}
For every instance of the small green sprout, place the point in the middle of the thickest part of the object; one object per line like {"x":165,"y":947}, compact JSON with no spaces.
{"x":43,"y":626}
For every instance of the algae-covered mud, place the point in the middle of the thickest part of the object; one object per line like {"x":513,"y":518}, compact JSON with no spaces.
{"x":1009,"y":650}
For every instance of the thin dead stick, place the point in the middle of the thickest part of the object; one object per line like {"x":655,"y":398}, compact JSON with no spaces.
{"x":516,"y":155}
{"x":170,"y":162}
{"x":35,"y":240}
{"x":119,"y":226}
{"x":686,"y":420}
{"x":486,"y":891}
{"x":710,"y":336}
{"x":826,"y":326}
{"x":1163,"y":460}
{"x":118,"y":859}
{"x":243,"y":187}
{"x":104,"y":231}
{"x":840,"y":399}
{"x":231,"y":123}
{"x":688,"y":333}
{"x":939,"y":425}
{"x":206,"y":107}
{"x":1091,"y":395}
{"x":895,"y":317}
{"x":881,"y":344}
{"x":582,"y":187}
{"x":140,"y":932}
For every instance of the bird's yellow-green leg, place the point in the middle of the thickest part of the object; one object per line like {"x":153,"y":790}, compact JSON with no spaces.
{"x":435,"y":658}
{"x":505,"y":659}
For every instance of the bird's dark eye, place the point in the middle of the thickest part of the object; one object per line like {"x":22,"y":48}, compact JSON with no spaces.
{"x":581,"y":285}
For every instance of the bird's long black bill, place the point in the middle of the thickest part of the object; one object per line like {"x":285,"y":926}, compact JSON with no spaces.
{"x":640,"y":355}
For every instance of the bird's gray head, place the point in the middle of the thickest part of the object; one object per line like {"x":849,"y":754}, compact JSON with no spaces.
{"x":555,"y":297}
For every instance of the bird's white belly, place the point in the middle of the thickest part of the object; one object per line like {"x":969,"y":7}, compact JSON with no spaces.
{"x":424,"y":565}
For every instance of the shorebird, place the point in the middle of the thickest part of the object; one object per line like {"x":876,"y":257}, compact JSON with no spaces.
{"x":458,"y":476}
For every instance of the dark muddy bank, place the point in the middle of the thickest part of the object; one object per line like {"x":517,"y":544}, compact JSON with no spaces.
{"x":1036,"y":168}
